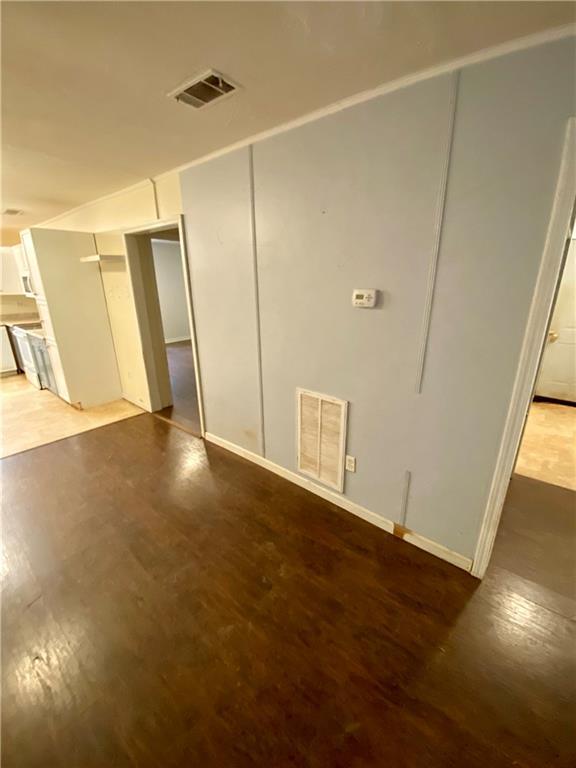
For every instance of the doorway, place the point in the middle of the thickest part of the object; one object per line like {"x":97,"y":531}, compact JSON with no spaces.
{"x":548,"y":448}
{"x":170,"y":282}
{"x":536,"y":541}
{"x":160,"y":281}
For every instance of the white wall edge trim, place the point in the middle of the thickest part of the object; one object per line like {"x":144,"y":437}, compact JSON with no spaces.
{"x":532,"y":347}
{"x":421,"y":542}
{"x":486,"y":54}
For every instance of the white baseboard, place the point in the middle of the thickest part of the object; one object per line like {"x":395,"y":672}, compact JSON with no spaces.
{"x":341,"y":501}
{"x":177,"y":338}
{"x":439,"y":550}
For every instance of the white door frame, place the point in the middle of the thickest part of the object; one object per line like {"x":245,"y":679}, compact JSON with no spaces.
{"x":158,"y":226}
{"x":547,"y":282}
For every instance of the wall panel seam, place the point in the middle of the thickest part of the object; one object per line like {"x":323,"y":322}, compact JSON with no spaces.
{"x":438,"y":228}
{"x":256,"y":297}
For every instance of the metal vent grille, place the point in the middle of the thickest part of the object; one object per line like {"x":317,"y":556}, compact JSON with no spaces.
{"x":322,"y":437}
{"x":204,"y":90}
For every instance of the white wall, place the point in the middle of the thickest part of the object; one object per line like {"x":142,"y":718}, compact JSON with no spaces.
{"x":353,"y":200}
{"x":171,"y":291}
{"x":123,"y":320}
{"x":136,"y":206}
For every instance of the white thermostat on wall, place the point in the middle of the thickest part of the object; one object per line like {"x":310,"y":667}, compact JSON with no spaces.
{"x":364,"y":297}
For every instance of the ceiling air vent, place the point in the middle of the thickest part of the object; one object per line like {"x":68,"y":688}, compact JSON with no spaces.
{"x":204,"y":90}
{"x":11,"y":212}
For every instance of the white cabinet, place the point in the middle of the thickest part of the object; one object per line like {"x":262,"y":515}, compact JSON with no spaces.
{"x":10,"y":280}
{"x":29,"y":265}
{"x":8,"y":364}
{"x":72,"y":307}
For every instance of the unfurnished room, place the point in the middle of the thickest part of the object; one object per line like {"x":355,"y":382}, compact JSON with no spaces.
{"x":288,"y":384}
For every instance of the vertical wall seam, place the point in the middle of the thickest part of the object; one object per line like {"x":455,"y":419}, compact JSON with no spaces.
{"x":405,"y":496}
{"x":114,"y":345}
{"x":256,"y":296}
{"x":155,"y":194}
{"x":438,"y":229}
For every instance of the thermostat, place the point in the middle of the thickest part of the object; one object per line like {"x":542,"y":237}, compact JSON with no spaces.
{"x":364,"y":297}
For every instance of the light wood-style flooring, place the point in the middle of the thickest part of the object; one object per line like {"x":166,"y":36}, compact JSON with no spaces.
{"x":30,"y":417}
{"x":548,"y":450}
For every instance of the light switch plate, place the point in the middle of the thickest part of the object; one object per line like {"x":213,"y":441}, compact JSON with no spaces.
{"x":350,"y":463}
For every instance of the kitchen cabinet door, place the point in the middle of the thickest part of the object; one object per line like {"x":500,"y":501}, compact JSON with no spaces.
{"x":7,"y":361}
{"x":10,"y":281}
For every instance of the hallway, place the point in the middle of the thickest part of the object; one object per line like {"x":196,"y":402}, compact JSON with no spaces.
{"x":168,"y":604}
{"x":548,"y":449}
{"x":184,"y":409}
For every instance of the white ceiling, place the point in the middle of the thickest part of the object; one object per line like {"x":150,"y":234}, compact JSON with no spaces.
{"x":84,"y":84}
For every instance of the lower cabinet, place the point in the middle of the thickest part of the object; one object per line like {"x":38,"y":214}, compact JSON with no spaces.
{"x":7,"y":360}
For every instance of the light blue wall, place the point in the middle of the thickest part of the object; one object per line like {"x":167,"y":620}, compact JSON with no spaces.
{"x":352,"y":201}
{"x":216,"y":199}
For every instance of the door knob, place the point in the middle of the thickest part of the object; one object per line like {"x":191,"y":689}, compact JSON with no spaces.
{"x":552,"y":337}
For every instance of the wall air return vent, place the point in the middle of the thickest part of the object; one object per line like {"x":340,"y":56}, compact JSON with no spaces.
{"x":321,"y":437}
{"x":204,"y":90}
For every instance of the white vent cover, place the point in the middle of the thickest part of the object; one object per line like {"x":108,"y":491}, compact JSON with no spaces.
{"x":321,"y":437}
{"x":204,"y":89}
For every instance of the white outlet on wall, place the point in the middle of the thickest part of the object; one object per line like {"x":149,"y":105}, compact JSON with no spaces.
{"x":350,"y":463}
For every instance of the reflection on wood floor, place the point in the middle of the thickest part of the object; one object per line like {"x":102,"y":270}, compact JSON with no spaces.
{"x":168,"y":604}
{"x":548,"y":450}
{"x":33,"y":417}
{"x":184,"y":410}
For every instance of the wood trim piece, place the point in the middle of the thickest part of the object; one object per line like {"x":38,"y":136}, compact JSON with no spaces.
{"x":438,"y":227}
{"x":405,"y":496}
{"x":533,"y":344}
{"x":256,"y":297}
{"x":421,"y":542}
{"x":191,"y":319}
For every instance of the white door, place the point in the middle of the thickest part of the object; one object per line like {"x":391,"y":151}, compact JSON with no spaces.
{"x":557,"y":377}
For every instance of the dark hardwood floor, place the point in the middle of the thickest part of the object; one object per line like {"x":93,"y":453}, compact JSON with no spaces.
{"x":167,"y":604}
{"x":184,"y":408}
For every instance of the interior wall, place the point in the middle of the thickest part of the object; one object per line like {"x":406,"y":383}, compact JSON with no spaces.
{"x":511,"y":121}
{"x":142,"y":204}
{"x":217,"y":199}
{"x":351,"y":201}
{"x":171,"y":290}
{"x":123,"y":322}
